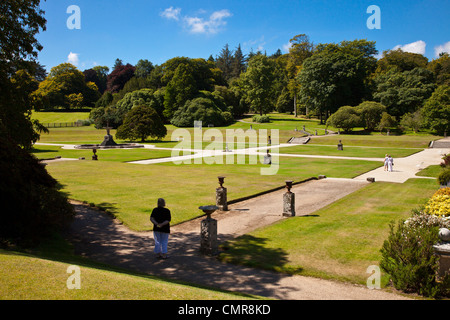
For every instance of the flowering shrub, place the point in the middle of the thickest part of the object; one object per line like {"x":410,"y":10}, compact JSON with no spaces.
{"x":439,"y":203}
{"x":408,"y":255}
{"x":421,"y":220}
{"x":443,"y":191}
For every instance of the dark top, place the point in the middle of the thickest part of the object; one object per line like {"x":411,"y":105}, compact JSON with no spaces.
{"x":161,"y":214}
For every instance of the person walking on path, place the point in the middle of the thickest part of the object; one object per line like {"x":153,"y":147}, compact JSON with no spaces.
{"x":390,"y":163}
{"x":386,"y":158}
{"x":160,"y":218}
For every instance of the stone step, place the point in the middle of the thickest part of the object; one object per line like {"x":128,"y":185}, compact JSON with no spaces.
{"x":297,"y":140}
{"x":440,"y":144}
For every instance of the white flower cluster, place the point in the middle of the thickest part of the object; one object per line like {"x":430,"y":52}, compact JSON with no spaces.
{"x":423,"y":220}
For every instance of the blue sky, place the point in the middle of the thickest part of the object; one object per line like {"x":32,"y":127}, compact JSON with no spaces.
{"x":160,"y":30}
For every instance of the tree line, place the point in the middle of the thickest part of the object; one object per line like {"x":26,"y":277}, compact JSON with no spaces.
{"x":314,"y":80}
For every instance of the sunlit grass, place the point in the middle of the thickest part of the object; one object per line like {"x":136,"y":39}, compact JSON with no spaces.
{"x":339,"y":241}
{"x":25,"y":277}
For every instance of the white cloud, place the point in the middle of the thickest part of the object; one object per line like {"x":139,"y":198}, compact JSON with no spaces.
{"x":442,"y":48}
{"x":73,"y":58}
{"x":258,"y":43}
{"x":211,"y":26}
{"x":171,"y":13}
{"x":286,"y":47}
{"x":197,"y":23}
{"x":414,"y":47}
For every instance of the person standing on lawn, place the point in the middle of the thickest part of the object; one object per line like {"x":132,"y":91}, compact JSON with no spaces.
{"x":160,"y":218}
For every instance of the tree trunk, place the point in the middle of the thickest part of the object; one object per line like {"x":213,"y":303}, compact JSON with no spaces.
{"x":295,"y":105}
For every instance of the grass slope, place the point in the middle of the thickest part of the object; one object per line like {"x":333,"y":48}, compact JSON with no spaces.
{"x":25,"y":277}
{"x":339,"y":241}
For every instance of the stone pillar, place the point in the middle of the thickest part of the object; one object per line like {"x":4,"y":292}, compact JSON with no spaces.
{"x":289,"y":201}
{"x":208,"y":232}
{"x":442,"y":250}
{"x":221,"y":196}
{"x":340,"y":146}
{"x":94,"y":156}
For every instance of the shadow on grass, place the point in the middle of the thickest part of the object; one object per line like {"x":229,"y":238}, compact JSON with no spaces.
{"x":253,"y":252}
{"x":95,"y":236}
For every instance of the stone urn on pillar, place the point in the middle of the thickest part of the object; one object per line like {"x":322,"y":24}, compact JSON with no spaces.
{"x":208,"y":232}
{"x":289,"y":200}
{"x":221,"y":195}
{"x":442,"y":250}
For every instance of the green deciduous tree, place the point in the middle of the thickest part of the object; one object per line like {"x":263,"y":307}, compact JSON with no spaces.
{"x":63,"y":81}
{"x":32,"y":207}
{"x":199,"y":109}
{"x":403,"y":92}
{"x":258,"y":82}
{"x":441,"y":69}
{"x":387,"y":121}
{"x":413,"y":121}
{"x":436,"y":111}
{"x":345,"y":118}
{"x":370,"y":113}
{"x":140,"y":123}
{"x":143,"y":68}
{"x":181,"y":88}
{"x":400,"y":61}
{"x":337,"y":75}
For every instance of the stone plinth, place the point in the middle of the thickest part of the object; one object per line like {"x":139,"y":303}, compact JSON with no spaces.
{"x":340,"y":146}
{"x":221,"y":198}
{"x":289,"y":200}
{"x":443,"y":251}
{"x":289,"y":204}
{"x":208,"y":232}
{"x":221,"y":195}
{"x":108,"y":141}
{"x":208,"y":244}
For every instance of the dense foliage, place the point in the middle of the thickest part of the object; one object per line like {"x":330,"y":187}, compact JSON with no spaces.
{"x":32,"y":206}
{"x":140,"y":122}
{"x":400,"y":89}
{"x":408,"y":255}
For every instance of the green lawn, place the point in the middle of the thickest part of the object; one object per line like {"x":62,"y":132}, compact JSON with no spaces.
{"x":26,"y":277}
{"x":130,"y":191}
{"x":57,"y":117}
{"x":377,"y":140}
{"x":349,"y":151}
{"x":118,"y":155}
{"x":339,"y":241}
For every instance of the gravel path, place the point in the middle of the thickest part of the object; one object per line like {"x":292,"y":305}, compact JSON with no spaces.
{"x":101,"y":238}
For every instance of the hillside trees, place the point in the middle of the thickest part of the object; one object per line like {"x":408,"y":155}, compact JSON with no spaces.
{"x":436,"y":111}
{"x":337,"y":74}
{"x":403,"y":92}
{"x":117,"y":79}
{"x":63,"y":81}
{"x":300,"y":49}
{"x":258,"y":83}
